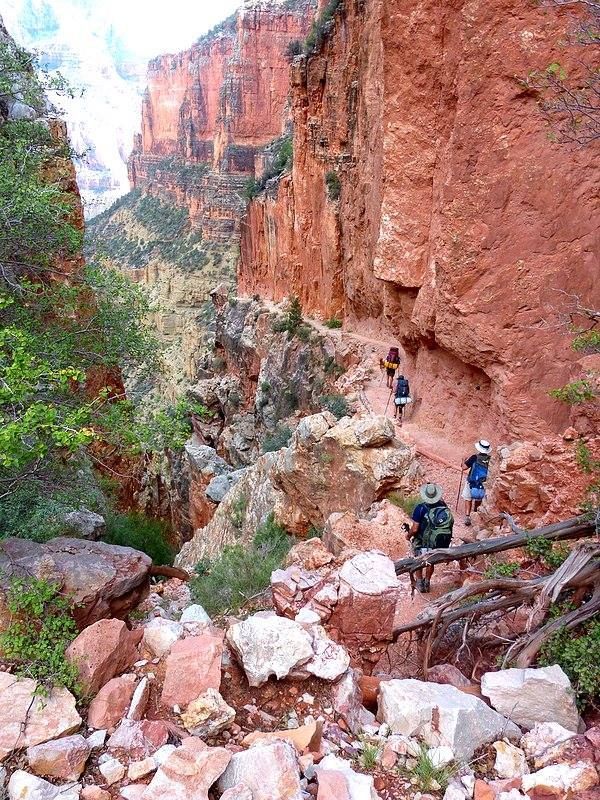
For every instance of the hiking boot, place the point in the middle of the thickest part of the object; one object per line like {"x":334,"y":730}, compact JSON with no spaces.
{"x":421,"y":586}
{"x":467,"y":521}
{"x":426,"y":585}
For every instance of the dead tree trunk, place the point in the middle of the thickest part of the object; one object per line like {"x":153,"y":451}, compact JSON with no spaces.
{"x":576,"y":528}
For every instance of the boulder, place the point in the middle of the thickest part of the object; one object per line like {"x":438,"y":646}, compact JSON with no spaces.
{"x":23,"y":786}
{"x":310,"y":555}
{"x":104,"y":580}
{"x":208,"y":714}
{"x":449,"y":674}
{"x":332,"y":785}
{"x":188,"y":772}
{"x":110,"y":705}
{"x":561,"y":780}
{"x":218,"y":487}
{"x":329,"y":661}
{"x":527,"y":696}
{"x":368,"y":592}
{"x":268,"y":770}
{"x":102,"y":651}
{"x":85,"y":524}
{"x":544,"y":737}
{"x":359,"y":786}
{"x":347,"y":702}
{"x":379,"y":528}
{"x":510,"y":760}
{"x":195,"y":614}
{"x":139,"y":739}
{"x":269,"y":645}
{"x":238,"y":792}
{"x":112,"y":771}
{"x":140,"y":769}
{"x":193,"y":666}
{"x":64,"y":759}
{"x":27,"y":719}
{"x":306,"y":737}
{"x":441,"y":715}
{"x":160,"y":635}
{"x":374,"y":431}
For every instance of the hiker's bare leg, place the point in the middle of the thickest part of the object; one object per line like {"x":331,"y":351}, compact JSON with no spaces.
{"x":428,"y":571}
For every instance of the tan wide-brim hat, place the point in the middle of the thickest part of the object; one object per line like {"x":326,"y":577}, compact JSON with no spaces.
{"x":483,"y":446}
{"x":431,"y":493}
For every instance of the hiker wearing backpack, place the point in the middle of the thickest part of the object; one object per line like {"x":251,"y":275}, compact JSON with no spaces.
{"x":391,"y":363}
{"x":432,"y":524}
{"x":478,"y":466}
{"x":401,"y":398}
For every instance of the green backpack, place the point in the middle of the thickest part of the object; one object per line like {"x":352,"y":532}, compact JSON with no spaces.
{"x":439,"y":523}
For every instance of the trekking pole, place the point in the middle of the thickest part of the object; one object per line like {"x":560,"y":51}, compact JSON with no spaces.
{"x":462,"y":472}
{"x":388,"y":402}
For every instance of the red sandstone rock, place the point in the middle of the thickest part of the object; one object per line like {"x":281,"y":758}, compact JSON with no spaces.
{"x":139,"y":739}
{"x":64,"y":759}
{"x":193,"y":666}
{"x":102,"y":651}
{"x":111,"y":703}
{"x":94,"y":793}
{"x":188,"y":772}
{"x":332,"y":786}
{"x":448,"y":673}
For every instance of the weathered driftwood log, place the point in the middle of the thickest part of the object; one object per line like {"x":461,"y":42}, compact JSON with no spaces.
{"x":576,"y":528}
{"x":580,"y":571}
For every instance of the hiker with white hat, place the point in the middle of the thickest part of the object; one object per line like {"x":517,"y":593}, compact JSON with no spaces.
{"x":478,"y":466}
{"x":432,"y":524}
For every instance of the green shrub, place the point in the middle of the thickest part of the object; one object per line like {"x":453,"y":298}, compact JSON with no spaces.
{"x":316,"y":36}
{"x":334,"y":185}
{"x":575,"y":393}
{"x":587,"y":342}
{"x":294,"y":48}
{"x":369,"y":756}
{"x":238,"y":511}
{"x":40,"y":630}
{"x":427,"y":776}
{"x":333,"y":322}
{"x":407,"y":503}
{"x":151,"y":536}
{"x":579,"y":656}
{"x":277,"y":439}
{"x":547,"y":552}
{"x":293,"y":321}
{"x":501,"y":569}
{"x":337,"y":404}
{"x":229,"y":581}
{"x":331,"y":367}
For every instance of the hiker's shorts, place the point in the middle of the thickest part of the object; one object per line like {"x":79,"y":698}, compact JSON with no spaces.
{"x":419,"y":550}
{"x":466,"y":493}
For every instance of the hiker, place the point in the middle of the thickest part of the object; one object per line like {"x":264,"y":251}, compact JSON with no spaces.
{"x":432,"y":524}
{"x":391,"y":364}
{"x":401,"y":398}
{"x":478,"y":466}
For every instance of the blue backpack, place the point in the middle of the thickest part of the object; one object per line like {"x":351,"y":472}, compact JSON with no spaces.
{"x":477,"y":477}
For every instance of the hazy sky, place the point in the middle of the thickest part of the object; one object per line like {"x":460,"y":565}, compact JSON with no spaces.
{"x":151,"y":27}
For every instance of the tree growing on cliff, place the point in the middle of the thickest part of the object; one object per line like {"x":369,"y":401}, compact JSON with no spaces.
{"x":571,"y":101}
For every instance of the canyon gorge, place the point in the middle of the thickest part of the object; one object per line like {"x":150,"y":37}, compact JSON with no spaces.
{"x":231,"y":567}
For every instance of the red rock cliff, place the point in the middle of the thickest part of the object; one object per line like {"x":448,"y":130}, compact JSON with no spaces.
{"x":208,"y":109}
{"x":460,"y":221}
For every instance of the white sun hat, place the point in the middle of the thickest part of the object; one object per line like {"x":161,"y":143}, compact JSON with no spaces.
{"x":483,"y":446}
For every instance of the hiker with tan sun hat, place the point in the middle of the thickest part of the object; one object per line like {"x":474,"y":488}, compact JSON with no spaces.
{"x":478,"y":466}
{"x":430,"y":528}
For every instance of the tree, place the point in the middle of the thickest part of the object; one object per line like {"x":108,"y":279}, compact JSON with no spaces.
{"x":571,"y":101}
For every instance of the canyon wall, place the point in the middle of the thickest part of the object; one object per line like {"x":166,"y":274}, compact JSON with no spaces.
{"x":462,"y":226}
{"x":207,"y":112}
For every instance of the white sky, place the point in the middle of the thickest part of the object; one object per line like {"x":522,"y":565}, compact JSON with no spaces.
{"x":152,"y":27}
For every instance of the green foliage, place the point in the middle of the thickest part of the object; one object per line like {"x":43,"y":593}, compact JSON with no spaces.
{"x":333,"y":322}
{"x":251,"y":188}
{"x":151,"y":536}
{"x":501,"y":569}
{"x":318,"y":32}
{"x":427,"y":776}
{"x":369,"y":756}
{"x":333,"y":184}
{"x":337,"y":404}
{"x":280,"y":156}
{"x":575,"y":393}
{"x":331,"y":367}
{"x":587,"y":341}
{"x":579,"y":656}
{"x":407,"y":503}
{"x":276,"y":439}
{"x":40,"y":630}
{"x":186,"y":173}
{"x":546,"y":551}
{"x":238,"y":511}
{"x":293,"y":321}
{"x":315,"y":532}
{"x":230,"y":580}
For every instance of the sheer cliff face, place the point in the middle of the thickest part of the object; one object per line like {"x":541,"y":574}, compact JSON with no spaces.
{"x":460,"y":223}
{"x":216,"y":104}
